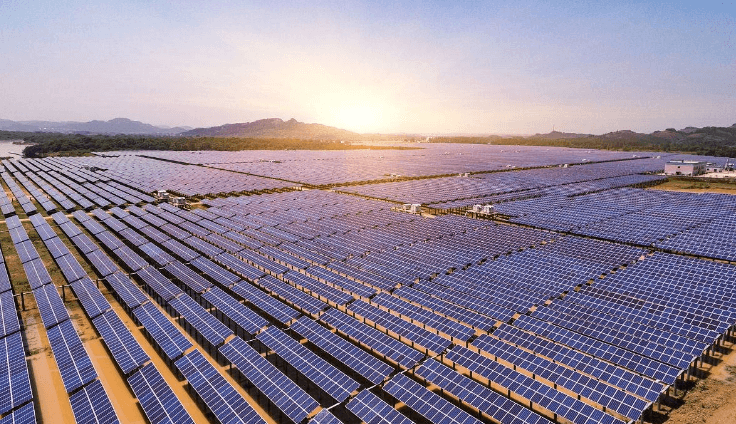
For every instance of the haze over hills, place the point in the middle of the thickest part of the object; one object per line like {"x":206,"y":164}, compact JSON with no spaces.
{"x":113,"y":126}
{"x":275,"y":128}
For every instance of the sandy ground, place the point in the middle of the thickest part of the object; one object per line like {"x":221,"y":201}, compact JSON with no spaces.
{"x":711,"y":400}
{"x":696,"y":187}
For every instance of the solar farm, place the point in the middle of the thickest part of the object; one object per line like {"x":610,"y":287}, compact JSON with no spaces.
{"x":294,"y":287}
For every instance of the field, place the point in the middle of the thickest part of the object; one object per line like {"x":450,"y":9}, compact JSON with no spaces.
{"x":294,"y":287}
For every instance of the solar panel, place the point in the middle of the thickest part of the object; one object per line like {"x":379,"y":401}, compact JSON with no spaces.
{"x":92,"y":300}
{"x":188,"y":276}
{"x":161,"y":285}
{"x":71,"y":357}
{"x":84,"y":244}
{"x":333,"y":381}
{"x":9,"y":323}
{"x":91,"y":405}
{"x":26,"y":251}
{"x":494,"y":405}
{"x":102,"y":263}
{"x":324,"y":417}
{"x":124,"y":348}
{"x":109,"y":240}
{"x":268,"y":304}
{"x":357,"y":359}
{"x":4,"y":277}
{"x":388,"y":347}
{"x":184,"y":253}
{"x":23,"y":415}
{"x":428,"y":404}
{"x":239,"y":266}
{"x":214,"y":331}
{"x":15,"y":384}
{"x":294,"y":402}
{"x":155,"y":396}
{"x":317,"y":289}
{"x":133,"y":261}
{"x":156,"y":254}
{"x":164,"y":333}
{"x":242,"y":316}
{"x":71,"y":268}
{"x":50,"y":305}
{"x":405,"y":329}
{"x":298,"y":298}
{"x":372,"y":410}
{"x":219,"y":396}
{"x":214,"y":271}
{"x":126,"y":290}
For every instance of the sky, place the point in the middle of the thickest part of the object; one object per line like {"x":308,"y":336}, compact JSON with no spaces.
{"x":429,"y":67}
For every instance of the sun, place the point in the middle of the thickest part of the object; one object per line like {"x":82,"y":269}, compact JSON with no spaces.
{"x":358,"y":116}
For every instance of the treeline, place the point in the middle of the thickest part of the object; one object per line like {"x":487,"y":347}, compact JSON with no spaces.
{"x":709,"y":141}
{"x":45,"y":144}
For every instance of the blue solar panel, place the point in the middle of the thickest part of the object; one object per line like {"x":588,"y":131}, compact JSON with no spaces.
{"x":428,"y":404}
{"x":133,"y":261}
{"x":183,"y":252}
{"x":4,"y":277}
{"x":294,"y":402}
{"x":15,"y":383}
{"x":109,"y":240}
{"x":56,"y":247}
{"x":124,"y":348}
{"x":92,"y":300}
{"x":214,"y":271}
{"x":315,"y":288}
{"x":164,"y":333}
{"x":270,"y":305}
{"x":126,"y":289}
{"x":91,"y":405}
{"x":357,"y":359}
{"x":295,"y":297}
{"x":9,"y":323}
{"x":214,"y":331}
{"x":156,"y":254}
{"x":71,"y":268}
{"x":333,"y":381}
{"x":84,"y":244}
{"x":26,"y":251}
{"x":155,"y":396}
{"x":324,"y":417}
{"x":242,"y":316}
{"x":219,"y":396}
{"x":23,"y":415}
{"x":73,"y":362}
{"x":239,"y":266}
{"x":50,"y":305}
{"x":189,"y":277}
{"x":341,"y":282}
{"x":390,"y":348}
{"x":405,"y":329}
{"x":161,"y":285}
{"x":372,"y":410}
{"x":494,"y":405}
{"x":102,"y":263}
{"x":36,"y":273}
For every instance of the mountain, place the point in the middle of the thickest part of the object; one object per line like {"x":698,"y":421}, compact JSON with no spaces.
{"x":113,"y":126}
{"x":275,"y":128}
{"x":555,"y":135}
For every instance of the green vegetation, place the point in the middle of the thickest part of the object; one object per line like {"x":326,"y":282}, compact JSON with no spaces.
{"x":712,"y":141}
{"x":57,"y":144}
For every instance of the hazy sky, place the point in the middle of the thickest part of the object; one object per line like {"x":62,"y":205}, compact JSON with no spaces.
{"x":373,"y":66}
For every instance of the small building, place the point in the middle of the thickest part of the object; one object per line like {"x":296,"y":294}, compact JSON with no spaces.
{"x":179,"y":202}
{"x":713,"y":167}
{"x":684,"y":167}
{"x":162,"y":195}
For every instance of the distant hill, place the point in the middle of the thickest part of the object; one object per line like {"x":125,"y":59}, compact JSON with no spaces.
{"x":113,"y":126}
{"x":555,"y":135}
{"x":712,"y":141}
{"x":275,"y":128}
